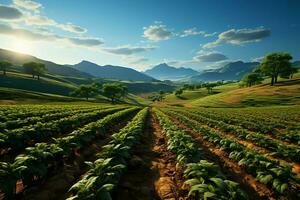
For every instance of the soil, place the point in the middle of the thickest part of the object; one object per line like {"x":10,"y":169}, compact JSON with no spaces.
{"x":57,"y":186}
{"x":152,"y":170}
{"x":231,"y":169}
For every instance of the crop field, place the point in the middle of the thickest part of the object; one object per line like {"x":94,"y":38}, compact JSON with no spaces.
{"x":102,"y":151}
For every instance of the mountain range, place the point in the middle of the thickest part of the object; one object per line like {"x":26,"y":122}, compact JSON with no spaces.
{"x":83,"y":69}
{"x":111,"y":72}
{"x":231,"y":71}
{"x":166,"y":72}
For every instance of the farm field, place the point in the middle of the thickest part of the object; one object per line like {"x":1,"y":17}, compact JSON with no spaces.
{"x":104,"y":151}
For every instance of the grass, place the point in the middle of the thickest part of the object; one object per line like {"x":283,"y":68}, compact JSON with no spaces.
{"x":190,"y":96}
{"x":260,"y":95}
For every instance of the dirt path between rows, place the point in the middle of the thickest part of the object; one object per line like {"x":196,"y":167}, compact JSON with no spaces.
{"x":57,"y":186}
{"x":151,"y":173}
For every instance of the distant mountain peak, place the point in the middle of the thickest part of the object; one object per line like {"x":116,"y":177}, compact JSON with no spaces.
{"x":163,"y":71}
{"x":111,"y":72}
{"x":231,"y":71}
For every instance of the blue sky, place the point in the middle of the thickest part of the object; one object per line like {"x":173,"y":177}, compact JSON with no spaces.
{"x":140,"y":33}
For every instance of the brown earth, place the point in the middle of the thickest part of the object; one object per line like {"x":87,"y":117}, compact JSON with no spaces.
{"x":152,"y":172}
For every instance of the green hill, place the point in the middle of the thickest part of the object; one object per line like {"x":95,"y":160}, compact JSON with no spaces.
{"x":284,"y":93}
{"x":19,"y":59}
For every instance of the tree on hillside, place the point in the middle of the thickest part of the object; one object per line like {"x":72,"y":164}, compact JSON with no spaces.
{"x":4,"y":65}
{"x":114,"y":91}
{"x":85,"y":91}
{"x":250,"y":79}
{"x":178,"y":92}
{"x":209,"y":87}
{"x":276,"y":64}
{"x":35,"y":69}
{"x":289,"y":73}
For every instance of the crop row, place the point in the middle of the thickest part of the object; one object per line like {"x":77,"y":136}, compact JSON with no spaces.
{"x":291,"y":136}
{"x":270,"y":172}
{"x":12,"y":112}
{"x":105,"y":172}
{"x":17,"y":123}
{"x":287,"y":152}
{"x":204,"y":177}
{"x":20,"y":138}
{"x":42,"y":159}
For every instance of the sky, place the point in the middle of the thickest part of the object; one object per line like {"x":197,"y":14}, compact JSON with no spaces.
{"x":200,"y":34}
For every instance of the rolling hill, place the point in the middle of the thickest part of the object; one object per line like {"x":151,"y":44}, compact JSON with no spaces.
{"x":286,"y":92}
{"x":166,"y":72}
{"x":19,"y":59}
{"x":231,"y":71}
{"x":111,"y":72}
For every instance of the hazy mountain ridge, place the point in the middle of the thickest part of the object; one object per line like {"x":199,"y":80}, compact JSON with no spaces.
{"x":53,"y":68}
{"x":231,"y":71}
{"x":165,"y":72}
{"x":111,"y":72}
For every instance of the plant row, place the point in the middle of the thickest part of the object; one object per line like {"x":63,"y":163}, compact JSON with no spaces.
{"x":204,"y":177}
{"x":42,"y":159}
{"x":290,"y":136}
{"x":287,"y":152}
{"x":18,"y":139}
{"x":270,"y":172}
{"x":12,"y":112}
{"x":17,"y":123}
{"x":104,"y":174}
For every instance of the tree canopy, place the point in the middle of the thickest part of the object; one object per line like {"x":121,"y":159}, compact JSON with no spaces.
{"x":251,"y":79}
{"x":4,"y":65}
{"x":114,"y":91}
{"x":85,"y":91}
{"x":178,"y":92}
{"x":276,"y":64}
{"x":34,"y":68}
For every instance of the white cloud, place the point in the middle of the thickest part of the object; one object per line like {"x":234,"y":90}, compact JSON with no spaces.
{"x":27,"y":4}
{"x":33,"y":19}
{"x":157,"y":32}
{"x":258,"y":59}
{"x":10,"y":13}
{"x":191,"y":31}
{"x":46,"y":36}
{"x":17,"y":13}
{"x":137,"y":60}
{"x":129,"y":50}
{"x":209,"y":57}
{"x":194,"y":31}
{"x":240,"y":36}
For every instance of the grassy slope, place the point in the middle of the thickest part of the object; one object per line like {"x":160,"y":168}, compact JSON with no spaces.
{"x":287,"y":93}
{"x":189,"y":96}
{"x":22,"y":88}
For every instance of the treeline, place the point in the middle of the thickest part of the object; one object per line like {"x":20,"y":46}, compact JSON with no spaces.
{"x":208,"y":85}
{"x":33,"y":68}
{"x":273,"y":65}
{"x":113,"y":91}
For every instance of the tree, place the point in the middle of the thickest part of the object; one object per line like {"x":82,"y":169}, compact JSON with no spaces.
{"x":178,"y":92}
{"x":289,"y":73}
{"x":4,"y":65}
{"x":209,"y":87}
{"x":85,"y":91}
{"x":35,"y":69}
{"x":250,"y":79}
{"x":276,"y":64}
{"x":114,"y":91}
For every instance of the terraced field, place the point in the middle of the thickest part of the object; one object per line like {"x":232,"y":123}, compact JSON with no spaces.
{"x":127,"y":152}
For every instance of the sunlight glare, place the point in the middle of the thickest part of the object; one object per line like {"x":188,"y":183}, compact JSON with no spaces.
{"x":22,"y":46}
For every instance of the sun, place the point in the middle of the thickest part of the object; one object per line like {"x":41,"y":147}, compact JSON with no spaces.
{"x":22,"y":46}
